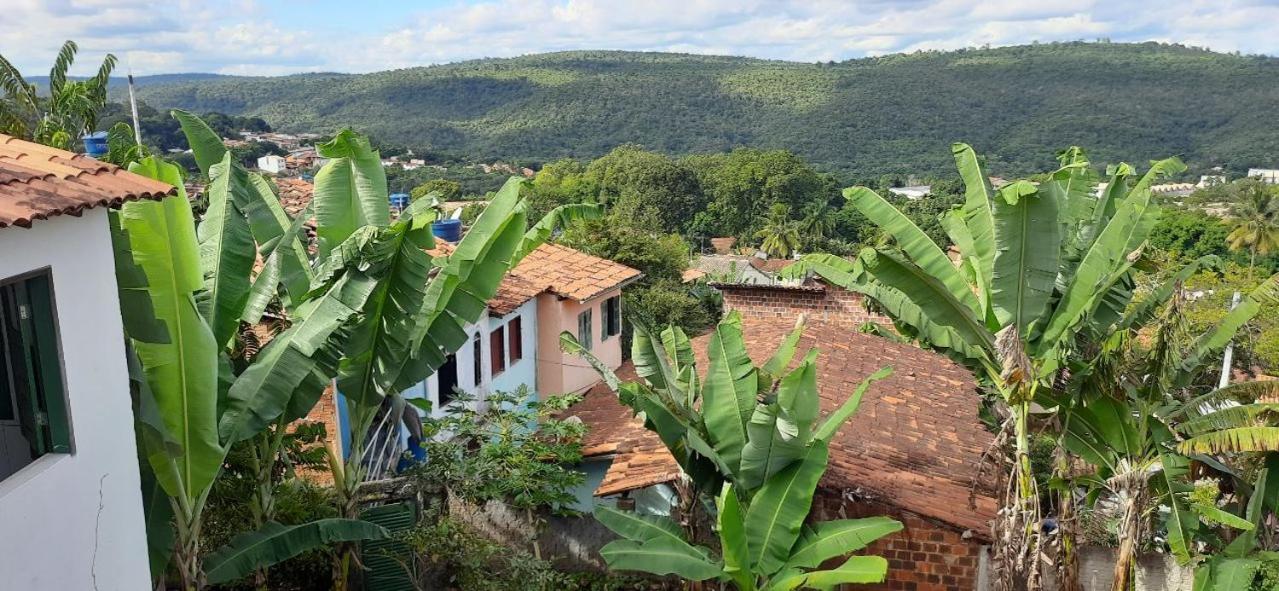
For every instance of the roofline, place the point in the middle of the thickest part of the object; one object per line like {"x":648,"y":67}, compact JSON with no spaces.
{"x":767,"y":286}
{"x":619,"y":285}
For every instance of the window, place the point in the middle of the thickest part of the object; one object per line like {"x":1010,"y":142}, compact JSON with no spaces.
{"x":448,"y":381}
{"x":33,"y":410}
{"x":515,"y":334}
{"x":497,"y":350}
{"x":477,"y":351}
{"x":584,"y":329}
{"x":612,"y":312}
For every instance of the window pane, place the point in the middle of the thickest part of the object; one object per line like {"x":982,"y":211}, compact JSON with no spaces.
{"x":478,"y":353}
{"x":497,"y":352}
{"x":584,"y":333}
{"x":32,"y":401}
{"x":515,"y":333}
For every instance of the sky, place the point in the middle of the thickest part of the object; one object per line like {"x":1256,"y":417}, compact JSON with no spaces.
{"x":264,"y":37}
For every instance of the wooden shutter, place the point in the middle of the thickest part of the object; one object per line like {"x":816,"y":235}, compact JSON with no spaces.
{"x":497,"y":351}
{"x":515,"y":334}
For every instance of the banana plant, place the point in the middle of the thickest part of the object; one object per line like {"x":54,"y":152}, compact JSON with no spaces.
{"x":752,"y":434}
{"x":186,"y":368}
{"x":1041,"y":266}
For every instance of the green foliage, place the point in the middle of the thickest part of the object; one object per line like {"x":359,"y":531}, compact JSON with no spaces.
{"x":753,"y":432}
{"x":515,"y":450}
{"x":1189,"y":234}
{"x":780,"y":236}
{"x":637,"y":183}
{"x":442,"y":189}
{"x":451,"y":555}
{"x":742,"y":187}
{"x":870,"y":115}
{"x":59,"y":117}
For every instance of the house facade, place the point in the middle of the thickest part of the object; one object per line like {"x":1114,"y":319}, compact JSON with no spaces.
{"x":70,"y":496}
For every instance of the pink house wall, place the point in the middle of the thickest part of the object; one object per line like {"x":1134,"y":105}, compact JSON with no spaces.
{"x":557,"y":372}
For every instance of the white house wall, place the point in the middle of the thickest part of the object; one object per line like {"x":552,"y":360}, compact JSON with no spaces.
{"x":74,"y":521}
{"x":524,"y":371}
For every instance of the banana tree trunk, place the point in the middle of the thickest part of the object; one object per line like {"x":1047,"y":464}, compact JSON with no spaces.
{"x":1129,"y":536}
{"x":1016,"y":528}
{"x":1067,"y":562}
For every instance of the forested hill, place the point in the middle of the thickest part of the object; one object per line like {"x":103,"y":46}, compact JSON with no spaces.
{"x":893,"y":114}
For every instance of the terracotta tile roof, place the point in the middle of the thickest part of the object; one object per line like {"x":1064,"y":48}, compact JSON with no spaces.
{"x":572,"y":273}
{"x":915,"y":442}
{"x":771,"y":266}
{"x":38,"y":182}
{"x":690,"y":275}
{"x":295,"y":194}
{"x":512,"y":292}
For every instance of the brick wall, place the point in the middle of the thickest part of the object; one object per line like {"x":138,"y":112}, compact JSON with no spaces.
{"x":325,"y":411}
{"x":924,"y":556}
{"x":830,"y":303}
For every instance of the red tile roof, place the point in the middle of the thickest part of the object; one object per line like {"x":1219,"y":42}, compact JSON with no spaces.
{"x":38,"y":182}
{"x":295,"y":194}
{"x":915,"y":442}
{"x":771,"y":266}
{"x":572,"y":273}
{"x":512,"y":292}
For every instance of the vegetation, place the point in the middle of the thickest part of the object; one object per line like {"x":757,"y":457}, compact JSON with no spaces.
{"x":870,"y":116}
{"x":753,"y":434}
{"x":68,"y":111}
{"x":1020,"y":305}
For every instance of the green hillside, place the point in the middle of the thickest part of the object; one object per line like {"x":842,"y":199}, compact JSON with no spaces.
{"x":894,"y":114}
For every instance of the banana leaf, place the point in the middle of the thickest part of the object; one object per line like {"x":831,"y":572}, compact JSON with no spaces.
{"x":206,"y":145}
{"x":274,"y":543}
{"x":350,"y":191}
{"x":978,"y":215}
{"x":661,"y":556}
{"x":729,"y":391}
{"x":633,"y":526}
{"x":1027,"y":238}
{"x":557,"y":218}
{"x":825,"y":540}
{"x":182,"y":372}
{"x":779,"y":509}
{"x":732,"y":536}
{"x":226,"y":252}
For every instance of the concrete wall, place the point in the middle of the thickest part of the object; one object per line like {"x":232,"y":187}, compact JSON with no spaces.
{"x":1155,"y":572}
{"x":74,"y":521}
{"x":558,"y":373}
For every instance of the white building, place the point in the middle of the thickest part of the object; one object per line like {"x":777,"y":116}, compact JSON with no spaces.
{"x":71,"y":512}
{"x":271,"y":163}
{"x":912,"y":192}
{"x":1267,"y":175}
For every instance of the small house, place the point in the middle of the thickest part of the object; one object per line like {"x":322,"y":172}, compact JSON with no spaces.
{"x":272,"y":163}
{"x":70,"y":495}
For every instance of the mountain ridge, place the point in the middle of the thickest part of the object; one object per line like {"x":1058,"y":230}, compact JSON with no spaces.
{"x":868,"y":116}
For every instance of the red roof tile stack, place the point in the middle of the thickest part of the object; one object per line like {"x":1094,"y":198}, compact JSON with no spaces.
{"x":38,"y":182}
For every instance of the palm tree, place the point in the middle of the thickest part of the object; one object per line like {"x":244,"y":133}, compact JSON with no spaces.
{"x":780,"y":233}
{"x":1256,"y":222}
{"x":70,"y":110}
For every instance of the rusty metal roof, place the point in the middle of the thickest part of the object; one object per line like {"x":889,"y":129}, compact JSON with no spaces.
{"x":38,"y":182}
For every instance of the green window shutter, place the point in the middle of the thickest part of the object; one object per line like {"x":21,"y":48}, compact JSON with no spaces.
{"x":49,"y":364}
{"x":383,"y":572}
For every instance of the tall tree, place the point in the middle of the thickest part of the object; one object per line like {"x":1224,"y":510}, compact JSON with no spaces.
{"x":70,"y":109}
{"x":1254,"y":221}
{"x":780,"y":234}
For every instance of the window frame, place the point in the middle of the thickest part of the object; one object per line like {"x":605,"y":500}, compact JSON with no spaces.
{"x":611,"y":324}
{"x":31,"y":298}
{"x":585,"y":328}
{"x":515,"y":341}
{"x":497,"y":350}
{"x":477,"y":364}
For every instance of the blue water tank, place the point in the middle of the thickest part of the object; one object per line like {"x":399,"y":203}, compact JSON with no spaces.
{"x":450,"y":230}
{"x":399,"y":201}
{"x":95,"y":144}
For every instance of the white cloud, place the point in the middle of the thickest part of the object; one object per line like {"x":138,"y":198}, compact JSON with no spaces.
{"x":248,"y":37}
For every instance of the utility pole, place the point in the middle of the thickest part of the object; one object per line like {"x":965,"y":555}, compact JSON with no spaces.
{"x":133,"y":104}
{"x":1230,"y":351}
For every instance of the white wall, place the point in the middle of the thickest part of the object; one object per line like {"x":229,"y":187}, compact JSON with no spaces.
{"x":524,"y":371}
{"x":75,"y":521}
